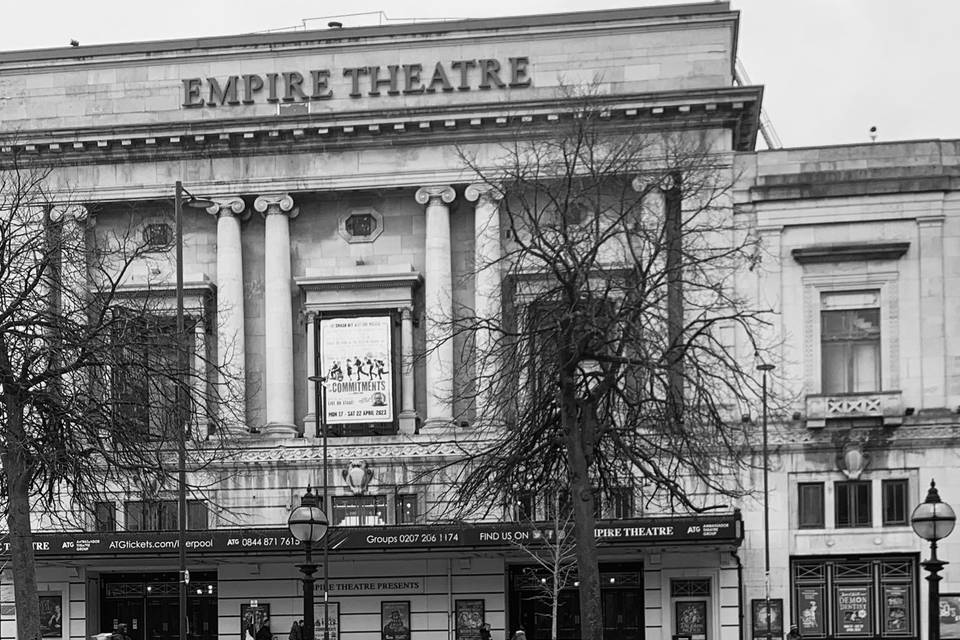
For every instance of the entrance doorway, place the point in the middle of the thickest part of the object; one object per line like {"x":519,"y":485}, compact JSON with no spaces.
{"x":621,"y":594}
{"x":147,"y":603}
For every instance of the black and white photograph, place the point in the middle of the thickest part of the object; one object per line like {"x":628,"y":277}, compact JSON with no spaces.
{"x":526,"y":320}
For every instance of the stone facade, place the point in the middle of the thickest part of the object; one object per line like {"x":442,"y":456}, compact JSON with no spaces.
{"x":334,"y":162}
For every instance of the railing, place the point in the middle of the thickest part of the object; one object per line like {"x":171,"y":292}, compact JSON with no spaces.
{"x":886,"y":405}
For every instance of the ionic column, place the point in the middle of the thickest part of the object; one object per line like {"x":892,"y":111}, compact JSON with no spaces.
{"x":310,"y":420}
{"x":408,"y":414}
{"x":487,"y":254}
{"x":438,"y":299}
{"x":277,"y":211}
{"x":231,"y":347}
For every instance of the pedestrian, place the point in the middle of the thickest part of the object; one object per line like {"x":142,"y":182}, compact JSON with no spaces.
{"x":519,"y":634}
{"x":485,"y":631}
{"x":794,"y":633}
{"x":296,"y":631}
{"x":263,"y":633}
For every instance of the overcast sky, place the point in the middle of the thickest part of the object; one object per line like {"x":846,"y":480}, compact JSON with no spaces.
{"x":832,"y":68}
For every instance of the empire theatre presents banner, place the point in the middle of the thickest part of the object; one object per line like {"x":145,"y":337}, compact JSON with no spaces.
{"x":355,"y":358}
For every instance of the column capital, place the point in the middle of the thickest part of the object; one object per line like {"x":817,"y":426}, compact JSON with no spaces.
{"x":276,"y":203}
{"x":76,"y":212}
{"x":308,"y":316}
{"x":483,"y":191}
{"x":435,"y":195}
{"x":231,"y":205}
{"x":653,"y":182}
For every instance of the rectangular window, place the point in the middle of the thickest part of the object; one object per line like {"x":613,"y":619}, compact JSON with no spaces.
{"x":810,"y":505}
{"x":105,"y":516}
{"x":363,"y":511}
{"x":163,"y":515}
{"x":135,"y":516}
{"x":895,"y":502}
{"x":850,"y":342}
{"x":145,"y":370}
{"x":621,"y":503}
{"x":852,"y":502}
{"x":406,"y":508}
{"x":197,"y":515}
{"x":525,"y":507}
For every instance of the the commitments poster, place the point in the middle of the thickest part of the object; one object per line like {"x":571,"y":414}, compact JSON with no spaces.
{"x":355,"y":358}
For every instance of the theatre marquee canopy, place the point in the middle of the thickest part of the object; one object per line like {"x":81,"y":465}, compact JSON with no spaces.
{"x":688,"y":530}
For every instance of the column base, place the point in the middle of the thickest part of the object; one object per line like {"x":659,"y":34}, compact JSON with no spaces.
{"x":408,"y":421}
{"x":436,"y":425}
{"x":279,"y":430}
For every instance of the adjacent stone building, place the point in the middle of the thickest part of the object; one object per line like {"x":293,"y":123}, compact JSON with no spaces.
{"x":344,"y":225}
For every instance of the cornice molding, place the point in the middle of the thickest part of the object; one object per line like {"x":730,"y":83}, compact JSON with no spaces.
{"x":733,"y":107}
{"x":860,"y":252}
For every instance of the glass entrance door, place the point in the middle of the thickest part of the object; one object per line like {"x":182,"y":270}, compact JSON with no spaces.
{"x":148,"y":604}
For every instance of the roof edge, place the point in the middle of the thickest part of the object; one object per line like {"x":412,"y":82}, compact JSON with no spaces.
{"x":320,"y":35}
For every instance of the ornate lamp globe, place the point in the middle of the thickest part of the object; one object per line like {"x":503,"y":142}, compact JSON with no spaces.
{"x":308,"y":522}
{"x":933,"y":519}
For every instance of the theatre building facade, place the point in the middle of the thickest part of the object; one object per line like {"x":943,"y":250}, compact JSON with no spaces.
{"x":343,"y":231}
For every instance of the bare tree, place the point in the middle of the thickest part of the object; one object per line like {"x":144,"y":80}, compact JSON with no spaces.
{"x":615,"y":358}
{"x":553,"y":551}
{"x":96,"y":385}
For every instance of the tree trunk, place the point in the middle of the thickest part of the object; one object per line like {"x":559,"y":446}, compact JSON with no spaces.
{"x":581,"y":491}
{"x":18,"y":522}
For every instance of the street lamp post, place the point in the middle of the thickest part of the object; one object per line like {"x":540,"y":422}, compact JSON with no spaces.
{"x":764,"y":368}
{"x":933,"y":520}
{"x":308,"y":524}
{"x":320,"y":389}
{"x":181,"y":197}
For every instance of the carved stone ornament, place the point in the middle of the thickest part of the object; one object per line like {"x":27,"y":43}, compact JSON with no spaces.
{"x":232,"y":205}
{"x":358,"y":476}
{"x":482,"y":192}
{"x":76,"y":212}
{"x":435,"y":195}
{"x":276,"y":203}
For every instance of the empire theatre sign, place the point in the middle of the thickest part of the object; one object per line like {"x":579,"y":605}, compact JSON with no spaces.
{"x":373,"y":81}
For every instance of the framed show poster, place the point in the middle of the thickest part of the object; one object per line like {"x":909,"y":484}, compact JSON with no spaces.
{"x":691,"y":619}
{"x":470,"y":615}
{"x":51,"y":614}
{"x":355,"y":357}
{"x":810,"y":612}
{"x":333,"y":620}
{"x":950,"y":616}
{"x":252,"y":617}
{"x":759,"y":609}
{"x":854,"y":611}
{"x":897,"y":606}
{"x":395,"y":620}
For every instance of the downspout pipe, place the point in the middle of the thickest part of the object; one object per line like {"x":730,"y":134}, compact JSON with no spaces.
{"x":736,"y":558}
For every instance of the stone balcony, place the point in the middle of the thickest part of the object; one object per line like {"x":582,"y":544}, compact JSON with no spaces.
{"x":885,"y":405}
